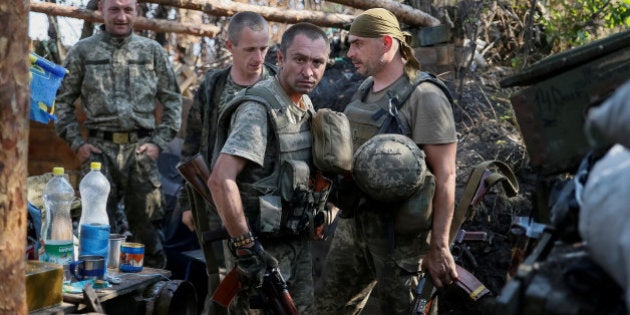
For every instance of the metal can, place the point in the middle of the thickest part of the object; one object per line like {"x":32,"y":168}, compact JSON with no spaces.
{"x":131,"y":257}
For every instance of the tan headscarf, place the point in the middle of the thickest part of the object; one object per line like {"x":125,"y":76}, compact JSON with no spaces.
{"x":379,"y":22}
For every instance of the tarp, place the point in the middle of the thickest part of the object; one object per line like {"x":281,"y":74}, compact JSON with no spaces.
{"x":604,"y":214}
{"x":609,"y":123}
{"x":46,"y":78}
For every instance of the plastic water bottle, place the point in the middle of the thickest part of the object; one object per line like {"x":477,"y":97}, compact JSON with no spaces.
{"x":94,"y":225}
{"x":58,"y":195}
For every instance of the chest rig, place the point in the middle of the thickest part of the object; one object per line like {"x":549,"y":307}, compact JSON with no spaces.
{"x":282,"y":203}
{"x":370,"y":119}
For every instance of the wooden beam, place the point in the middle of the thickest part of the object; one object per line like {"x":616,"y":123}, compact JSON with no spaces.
{"x":218,"y":8}
{"x":405,"y":14}
{"x":141,"y":23}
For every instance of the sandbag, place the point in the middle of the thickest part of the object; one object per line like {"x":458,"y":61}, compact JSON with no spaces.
{"x":332,"y":142}
{"x":609,"y":123}
{"x":604,"y":214}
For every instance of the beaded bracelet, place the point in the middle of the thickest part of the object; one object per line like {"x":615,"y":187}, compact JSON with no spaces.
{"x":243,"y":240}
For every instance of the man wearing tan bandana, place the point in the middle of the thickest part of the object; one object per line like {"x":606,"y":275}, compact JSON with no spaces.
{"x":366,"y":247}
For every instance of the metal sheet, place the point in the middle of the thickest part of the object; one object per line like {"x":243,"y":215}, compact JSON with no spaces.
{"x":552,"y":112}
{"x":568,"y":59}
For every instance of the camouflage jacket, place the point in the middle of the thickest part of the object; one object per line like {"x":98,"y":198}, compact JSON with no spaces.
{"x":119,"y":81}
{"x":201,"y":122}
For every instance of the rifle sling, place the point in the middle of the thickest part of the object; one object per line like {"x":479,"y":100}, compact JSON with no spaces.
{"x":200,"y":217}
{"x":505,"y":176}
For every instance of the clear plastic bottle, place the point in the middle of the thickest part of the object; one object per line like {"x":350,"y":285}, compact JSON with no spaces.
{"x":58,"y":195}
{"x":94,"y":225}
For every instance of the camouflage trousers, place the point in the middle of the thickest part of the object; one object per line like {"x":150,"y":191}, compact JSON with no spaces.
{"x":362,"y":256}
{"x":135,"y":181}
{"x":294,"y":259}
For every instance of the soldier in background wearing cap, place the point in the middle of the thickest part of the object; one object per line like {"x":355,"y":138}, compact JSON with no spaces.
{"x":120,"y":77}
{"x":365,"y":247}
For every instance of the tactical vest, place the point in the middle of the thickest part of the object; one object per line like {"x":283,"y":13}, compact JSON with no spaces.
{"x":370,"y":119}
{"x":412,"y":215}
{"x":264,"y":207}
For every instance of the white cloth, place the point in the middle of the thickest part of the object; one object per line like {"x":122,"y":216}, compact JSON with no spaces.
{"x":610,"y":122}
{"x":605,"y":215}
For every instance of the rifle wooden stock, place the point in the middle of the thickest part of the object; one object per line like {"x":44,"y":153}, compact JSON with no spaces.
{"x":196,"y":172}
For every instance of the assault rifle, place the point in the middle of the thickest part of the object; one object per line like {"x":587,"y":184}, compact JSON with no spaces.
{"x":273,"y":292}
{"x":479,"y":181}
{"x":425,"y":291}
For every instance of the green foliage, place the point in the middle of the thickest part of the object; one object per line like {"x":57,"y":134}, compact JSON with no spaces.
{"x":569,"y":24}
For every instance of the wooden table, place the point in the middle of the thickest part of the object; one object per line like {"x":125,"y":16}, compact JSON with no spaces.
{"x":124,"y":298}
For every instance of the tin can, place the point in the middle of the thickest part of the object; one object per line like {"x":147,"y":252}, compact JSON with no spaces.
{"x":131,"y":257}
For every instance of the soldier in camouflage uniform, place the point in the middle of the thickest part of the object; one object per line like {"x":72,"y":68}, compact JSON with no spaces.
{"x":248,"y":41}
{"x":264,"y":126}
{"x":119,"y":77}
{"x":367,"y":247}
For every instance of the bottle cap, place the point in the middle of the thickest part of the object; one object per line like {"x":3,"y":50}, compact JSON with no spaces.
{"x":58,"y":170}
{"x":95,"y":165}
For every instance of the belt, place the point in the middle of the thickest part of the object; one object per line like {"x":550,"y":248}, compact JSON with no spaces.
{"x":120,"y":137}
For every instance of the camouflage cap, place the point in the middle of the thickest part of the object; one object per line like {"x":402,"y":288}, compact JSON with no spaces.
{"x":389,"y":167}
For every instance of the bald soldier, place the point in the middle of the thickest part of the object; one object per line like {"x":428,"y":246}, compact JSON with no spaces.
{"x":368,"y":244}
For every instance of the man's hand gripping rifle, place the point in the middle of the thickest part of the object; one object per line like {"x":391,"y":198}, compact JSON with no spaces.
{"x":480,"y":180}
{"x":272,"y":290}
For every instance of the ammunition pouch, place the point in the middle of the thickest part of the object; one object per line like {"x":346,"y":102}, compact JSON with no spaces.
{"x":415,"y":214}
{"x":332,"y":141}
{"x":412,"y":216}
{"x":300,"y":207}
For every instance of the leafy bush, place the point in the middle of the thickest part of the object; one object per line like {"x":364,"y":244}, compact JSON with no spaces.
{"x":574,"y":23}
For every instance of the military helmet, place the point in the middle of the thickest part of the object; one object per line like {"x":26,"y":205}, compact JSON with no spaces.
{"x":389,"y":167}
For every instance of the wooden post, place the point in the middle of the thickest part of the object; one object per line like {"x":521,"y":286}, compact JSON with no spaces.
{"x":14,"y":102}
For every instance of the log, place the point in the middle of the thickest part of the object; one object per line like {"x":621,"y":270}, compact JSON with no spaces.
{"x":283,"y":15}
{"x":141,"y":23}
{"x":14,"y":109}
{"x":405,"y":14}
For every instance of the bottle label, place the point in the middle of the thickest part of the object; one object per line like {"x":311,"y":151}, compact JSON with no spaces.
{"x":58,"y":252}
{"x":94,"y":240}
